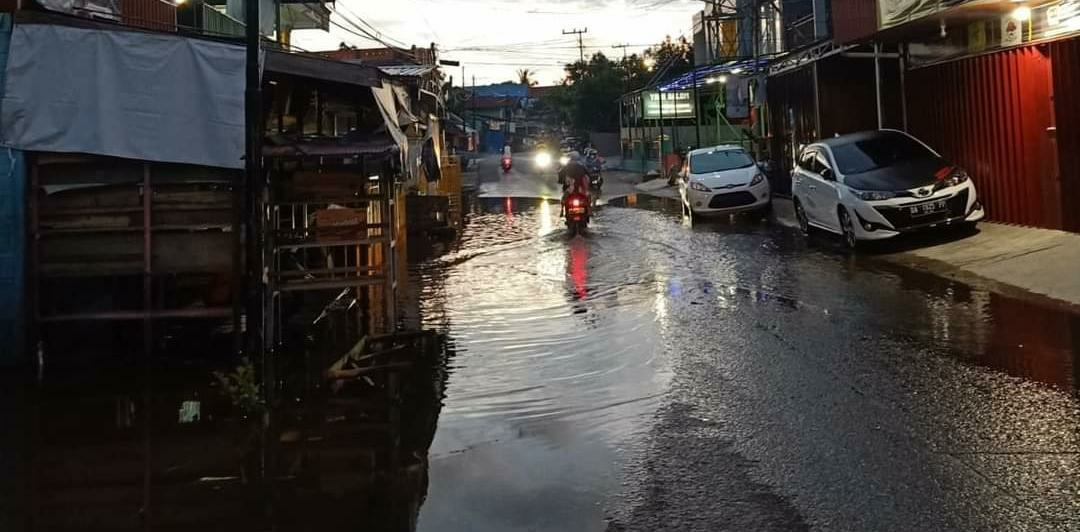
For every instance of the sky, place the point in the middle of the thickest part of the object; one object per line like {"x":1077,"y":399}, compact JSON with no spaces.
{"x":495,"y":38}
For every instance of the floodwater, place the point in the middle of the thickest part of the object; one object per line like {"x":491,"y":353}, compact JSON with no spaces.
{"x":728,"y":375}
{"x":654,"y":374}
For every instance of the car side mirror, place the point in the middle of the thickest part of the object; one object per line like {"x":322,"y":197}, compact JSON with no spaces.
{"x":827,"y":174}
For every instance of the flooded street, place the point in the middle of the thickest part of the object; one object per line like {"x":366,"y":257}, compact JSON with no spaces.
{"x":654,"y":374}
{"x":731,"y":376}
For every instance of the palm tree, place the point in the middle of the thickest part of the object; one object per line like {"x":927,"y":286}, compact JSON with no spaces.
{"x":525,"y":77}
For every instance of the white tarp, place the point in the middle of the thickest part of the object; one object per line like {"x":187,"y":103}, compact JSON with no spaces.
{"x":127,"y":94}
{"x":108,"y":9}
{"x":384,"y":97}
{"x":895,"y":12}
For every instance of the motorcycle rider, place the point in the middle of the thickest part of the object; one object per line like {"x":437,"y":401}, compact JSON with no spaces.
{"x":573,"y":177}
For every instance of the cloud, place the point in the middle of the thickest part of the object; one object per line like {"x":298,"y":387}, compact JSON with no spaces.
{"x":493,"y":38}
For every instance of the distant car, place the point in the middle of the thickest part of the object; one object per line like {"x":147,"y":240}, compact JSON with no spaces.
{"x":723,"y":180}
{"x":878,"y":184}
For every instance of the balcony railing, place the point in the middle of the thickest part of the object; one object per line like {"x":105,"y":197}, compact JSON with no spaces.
{"x":217,"y":23}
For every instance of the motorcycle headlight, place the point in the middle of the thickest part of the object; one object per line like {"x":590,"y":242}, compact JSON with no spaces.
{"x":959,"y":176}
{"x":757,"y":179}
{"x":564,"y":160}
{"x":543,"y":159}
{"x":698,"y":186}
{"x":873,"y":195}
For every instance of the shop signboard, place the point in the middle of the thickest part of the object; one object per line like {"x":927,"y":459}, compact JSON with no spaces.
{"x":677,"y":104}
{"x":1012,"y":31}
{"x":895,"y":12}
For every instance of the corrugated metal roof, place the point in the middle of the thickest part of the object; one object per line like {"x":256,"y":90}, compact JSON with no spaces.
{"x":407,"y":71}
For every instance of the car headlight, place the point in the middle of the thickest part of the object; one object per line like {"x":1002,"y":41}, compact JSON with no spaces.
{"x":757,"y":179}
{"x":699,"y":186}
{"x":564,"y":160}
{"x":959,"y":176}
{"x":873,"y":195}
{"x":543,"y":159}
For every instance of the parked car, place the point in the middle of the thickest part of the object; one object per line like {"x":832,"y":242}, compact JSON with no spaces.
{"x":723,"y":180}
{"x":878,"y":184}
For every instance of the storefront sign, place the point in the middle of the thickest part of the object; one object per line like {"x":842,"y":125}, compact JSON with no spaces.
{"x":1063,"y":18}
{"x":678,"y":104}
{"x":976,"y":34}
{"x":1012,"y":31}
{"x":896,"y":12}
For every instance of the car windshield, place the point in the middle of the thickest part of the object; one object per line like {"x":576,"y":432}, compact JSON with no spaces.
{"x":718,"y":161}
{"x":881,"y":151}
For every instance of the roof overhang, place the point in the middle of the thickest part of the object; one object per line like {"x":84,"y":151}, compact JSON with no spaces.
{"x":313,"y":67}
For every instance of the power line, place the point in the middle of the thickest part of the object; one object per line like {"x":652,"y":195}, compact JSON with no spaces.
{"x":344,"y":8}
{"x":580,"y":41}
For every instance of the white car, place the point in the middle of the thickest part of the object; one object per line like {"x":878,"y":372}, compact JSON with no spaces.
{"x":878,"y":184}
{"x":723,"y":180}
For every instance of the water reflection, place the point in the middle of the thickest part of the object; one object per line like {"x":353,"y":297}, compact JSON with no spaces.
{"x":554,"y":360}
{"x":120,"y":448}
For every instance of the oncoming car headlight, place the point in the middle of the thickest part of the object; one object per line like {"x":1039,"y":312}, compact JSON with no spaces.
{"x":543,"y":159}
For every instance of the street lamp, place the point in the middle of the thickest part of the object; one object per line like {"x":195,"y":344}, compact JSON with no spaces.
{"x":1022,"y":13}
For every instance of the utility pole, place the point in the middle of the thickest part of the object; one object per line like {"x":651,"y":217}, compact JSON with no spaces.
{"x":253,"y":187}
{"x":580,"y":41}
{"x":623,"y":46}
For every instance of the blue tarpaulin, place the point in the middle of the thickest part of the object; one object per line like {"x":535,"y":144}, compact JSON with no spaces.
{"x":12,"y":232}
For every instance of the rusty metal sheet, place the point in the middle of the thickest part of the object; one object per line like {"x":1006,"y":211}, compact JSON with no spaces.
{"x":336,"y":224}
{"x":853,"y":20}
{"x":150,"y":14}
{"x":1065,"y":57}
{"x":990,"y":114}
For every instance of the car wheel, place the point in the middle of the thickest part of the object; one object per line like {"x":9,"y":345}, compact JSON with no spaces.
{"x":800,"y":216}
{"x":848,"y":230}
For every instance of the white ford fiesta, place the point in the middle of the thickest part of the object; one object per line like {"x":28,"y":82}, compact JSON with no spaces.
{"x":723,"y":180}
{"x":878,"y":184}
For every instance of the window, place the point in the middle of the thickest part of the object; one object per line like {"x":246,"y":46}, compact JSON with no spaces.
{"x":808,"y":160}
{"x":821,"y":161}
{"x":879,"y":151}
{"x":719,"y":161}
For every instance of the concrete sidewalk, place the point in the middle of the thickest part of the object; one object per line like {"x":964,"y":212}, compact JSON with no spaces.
{"x":1014,"y":259}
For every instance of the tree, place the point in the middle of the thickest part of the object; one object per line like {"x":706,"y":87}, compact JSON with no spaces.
{"x":525,"y":77}
{"x":672,"y":57}
{"x":588,"y":98}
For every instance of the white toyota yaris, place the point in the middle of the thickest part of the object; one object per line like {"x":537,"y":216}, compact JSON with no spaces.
{"x":723,"y":180}
{"x":878,"y":184}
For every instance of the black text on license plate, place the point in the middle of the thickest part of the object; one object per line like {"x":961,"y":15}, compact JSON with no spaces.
{"x":577,"y":210}
{"x":927,"y":208}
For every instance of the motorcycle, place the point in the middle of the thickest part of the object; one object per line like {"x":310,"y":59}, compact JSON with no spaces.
{"x":507,"y":163}
{"x":577,"y":208}
{"x":594,"y":165}
{"x":595,"y":170}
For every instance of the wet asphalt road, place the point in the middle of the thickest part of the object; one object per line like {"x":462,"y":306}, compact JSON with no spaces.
{"x":659,"y":374}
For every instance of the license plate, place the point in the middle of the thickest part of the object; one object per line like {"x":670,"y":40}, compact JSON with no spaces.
{"x":577,"y":210}
{"x":927,"y":208}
